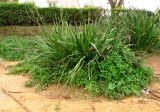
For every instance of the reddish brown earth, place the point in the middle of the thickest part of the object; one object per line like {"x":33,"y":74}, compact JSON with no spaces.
{"x":14,"y":97}
{"x":154,"y":61}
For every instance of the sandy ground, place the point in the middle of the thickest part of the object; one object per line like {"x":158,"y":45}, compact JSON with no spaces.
{"x":14,"y":97}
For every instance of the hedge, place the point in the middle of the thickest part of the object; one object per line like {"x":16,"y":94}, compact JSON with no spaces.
{"x":28,"y":14}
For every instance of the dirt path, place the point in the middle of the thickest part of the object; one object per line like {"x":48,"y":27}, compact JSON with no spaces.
{"x":65,"y":99}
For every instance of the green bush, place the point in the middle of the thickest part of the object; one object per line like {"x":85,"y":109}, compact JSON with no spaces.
{"x":87,"y":56}
{"x":28,"y":14}
{"x":15,"y":48}
{"x":15,"y":14}
{"x":142,"y":29}
{"x":121,"y":73}
{"x":141,"y":11}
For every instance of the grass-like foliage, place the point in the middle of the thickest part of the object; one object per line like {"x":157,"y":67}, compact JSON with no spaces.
{"x":15,"y":48}
{"x":143,"y":29}
{"x":88,"y":57}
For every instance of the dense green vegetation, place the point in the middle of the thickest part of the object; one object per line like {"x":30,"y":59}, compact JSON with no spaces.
{"x":142,"y":28}
{"x":98,"y":56}
{"x":28,"y":14}
{"x":15,"y":48}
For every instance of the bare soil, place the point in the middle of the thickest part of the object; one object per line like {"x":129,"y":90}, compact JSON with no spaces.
{"x":14,"y":97}
{"x":18,"y":30}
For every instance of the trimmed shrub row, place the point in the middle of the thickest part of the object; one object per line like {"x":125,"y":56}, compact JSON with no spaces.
{"x":28,"y":14}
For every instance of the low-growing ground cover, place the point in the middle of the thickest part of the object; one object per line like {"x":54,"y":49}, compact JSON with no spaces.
{"x":15,"y":47}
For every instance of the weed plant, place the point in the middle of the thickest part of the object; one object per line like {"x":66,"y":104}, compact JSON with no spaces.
{"x":142,"y":28}
{"x":87,"y":56}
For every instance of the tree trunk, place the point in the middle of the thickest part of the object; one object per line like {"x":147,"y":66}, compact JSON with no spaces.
{"x":115,"y":4}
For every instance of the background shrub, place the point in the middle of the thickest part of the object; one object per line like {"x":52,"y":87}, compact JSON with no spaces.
{"x":141,"y":11}
{"x":28,"y":14}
